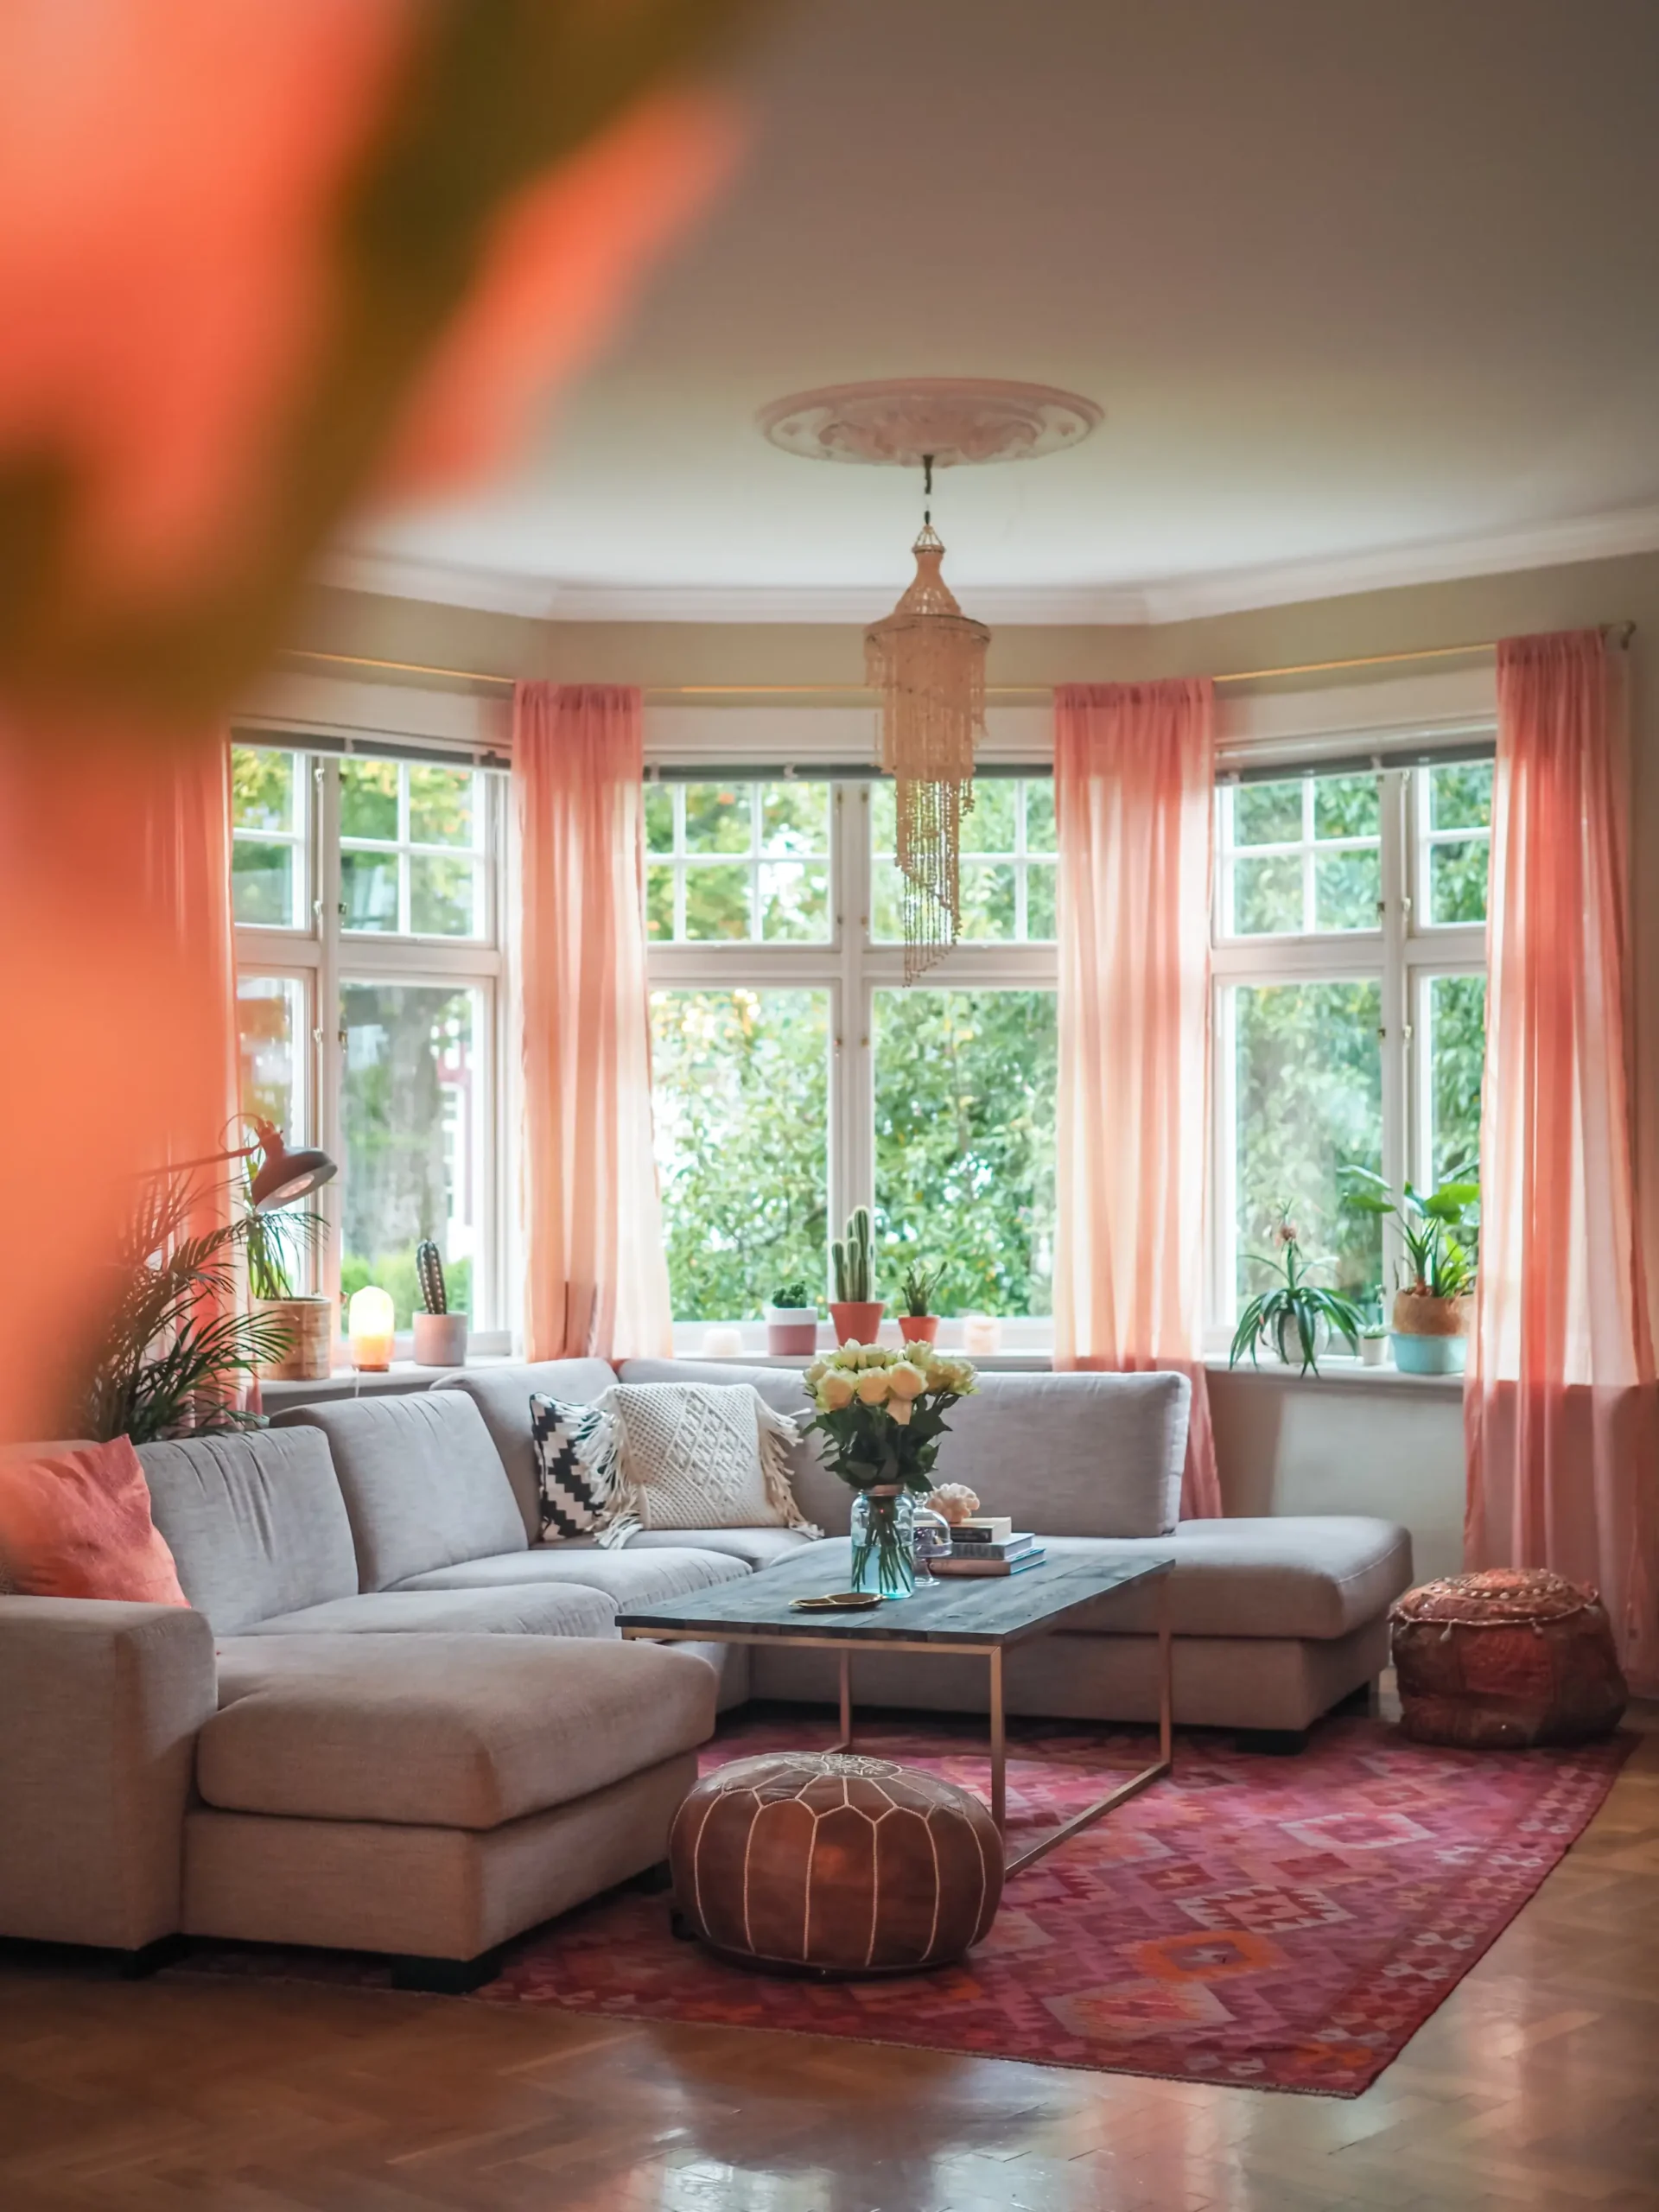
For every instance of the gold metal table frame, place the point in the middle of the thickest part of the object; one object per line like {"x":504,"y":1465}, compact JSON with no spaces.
{"x":716,"y":1633}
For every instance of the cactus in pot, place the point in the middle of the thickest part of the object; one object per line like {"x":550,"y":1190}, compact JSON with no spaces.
{"x":440,"y":1335}
{"x":855,"y":1312}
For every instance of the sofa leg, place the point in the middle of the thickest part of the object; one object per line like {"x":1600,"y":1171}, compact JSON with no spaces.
{"x":1272,"y":1743}
{"x":447,"y":1977}
{"x":150,"y":1958}
{"x":654,"y":1880}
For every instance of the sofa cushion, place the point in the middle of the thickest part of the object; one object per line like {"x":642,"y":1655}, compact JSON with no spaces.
{"x":423,"y":1483}
{"x":1074,"y":1455}
{"x":567,"y":1609}
{"x":255,"y":1521}
{"x":630,"y":1576}
{"x":461,"y":1732}
{"x":1315,"y":1576}
{"x":502,"y":1396}
{"x":76,"y":1522}
{"x":755,"y":1548}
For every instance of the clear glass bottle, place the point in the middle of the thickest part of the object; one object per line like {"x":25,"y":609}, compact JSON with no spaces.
{"x":883,"y":1543}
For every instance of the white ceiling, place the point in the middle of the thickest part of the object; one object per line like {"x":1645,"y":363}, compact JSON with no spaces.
{"x":1367,"y":288}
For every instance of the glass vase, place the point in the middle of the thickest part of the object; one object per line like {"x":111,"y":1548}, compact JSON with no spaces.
{"x":883,"y":1532}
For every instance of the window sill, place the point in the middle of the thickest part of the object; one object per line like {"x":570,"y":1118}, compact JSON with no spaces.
{"x":1338,"y":1374}
{"x":401,"y":1378}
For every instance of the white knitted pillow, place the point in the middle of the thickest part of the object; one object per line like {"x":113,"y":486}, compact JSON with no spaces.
{"x":699,"y":1455}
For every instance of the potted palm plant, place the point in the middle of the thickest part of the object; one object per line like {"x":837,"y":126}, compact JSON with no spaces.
{"x":1296,"y":1316}
{"x":917,"y":1293}
{"x":1430,"y":1319}
{"x":276,"y":1244}
{"x":791,"y":1321}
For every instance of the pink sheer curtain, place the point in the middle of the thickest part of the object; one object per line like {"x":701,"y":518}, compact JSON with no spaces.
{"x":1561,"y":1412}
{"x":1133,"y":777}
{"x":596,"y":1276}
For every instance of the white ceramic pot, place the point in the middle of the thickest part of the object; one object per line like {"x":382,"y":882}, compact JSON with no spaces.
{"x":1373,"y":1351}
{"x":440,"y":1340}
{"x":792,"y":1331}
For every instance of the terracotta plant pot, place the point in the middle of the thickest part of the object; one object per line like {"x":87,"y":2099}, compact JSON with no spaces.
{"x":440,"y":1340}
{"x":310,"y":1325}
{"x":855,"y":1320}
{"x":919,"y":1328}
{"x":792,"y":1331}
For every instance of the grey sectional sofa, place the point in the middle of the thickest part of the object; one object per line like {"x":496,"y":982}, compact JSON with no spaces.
{"x":391,"y":1721}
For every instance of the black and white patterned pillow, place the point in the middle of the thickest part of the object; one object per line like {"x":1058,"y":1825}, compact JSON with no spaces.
{"x":576,"y":1462}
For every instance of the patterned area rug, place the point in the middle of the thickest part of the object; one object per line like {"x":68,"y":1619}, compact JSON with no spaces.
{"x":1283,"y":1924}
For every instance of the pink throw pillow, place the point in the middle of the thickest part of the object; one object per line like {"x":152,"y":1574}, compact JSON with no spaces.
{"x":75,"y":1522}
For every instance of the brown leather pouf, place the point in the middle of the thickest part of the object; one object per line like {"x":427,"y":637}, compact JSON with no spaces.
{"x":830,"y":1862}
{"x":1505,"y":1658}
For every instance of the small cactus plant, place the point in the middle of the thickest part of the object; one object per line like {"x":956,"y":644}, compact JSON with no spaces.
{"x":850,"y":1257}
{"x":428,"y":1268}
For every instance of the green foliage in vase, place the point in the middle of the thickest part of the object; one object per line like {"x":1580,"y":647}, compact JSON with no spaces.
{"x":1295,"y":1308}
{"x":175,"y":1350}
{"x":881,"y":1411}
{"x":849,"y":1257}
{"x":1439,"y":1232}
{"x":919,"y":1290}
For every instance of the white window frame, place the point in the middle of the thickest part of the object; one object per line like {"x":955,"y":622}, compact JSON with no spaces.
{"x":851,"y":967}
{"x":1404,"y":953}
{"x":323,"y":956}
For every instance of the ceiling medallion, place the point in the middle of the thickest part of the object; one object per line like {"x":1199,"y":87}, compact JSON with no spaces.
{"x":927,"y":658}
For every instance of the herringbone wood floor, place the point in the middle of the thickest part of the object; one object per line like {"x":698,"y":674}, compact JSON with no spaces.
{"x":1535,"y":2086}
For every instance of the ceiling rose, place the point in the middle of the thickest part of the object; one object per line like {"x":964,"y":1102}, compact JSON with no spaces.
{"x":954,"y":420}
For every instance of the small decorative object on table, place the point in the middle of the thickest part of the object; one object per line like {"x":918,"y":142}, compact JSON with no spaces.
{"x":1440,"y":1234}
{"x":917,"y":1293}
{"x":881,"y":1414}
{"x":1504,"y":1659}
{"x":834,"y":1863}
{"x":954,"y":1502}
{"x":854,"y":1311}
{"x":440,"y":1335}
{"x":1296,"y":1317}
{"x":791,"y":1321}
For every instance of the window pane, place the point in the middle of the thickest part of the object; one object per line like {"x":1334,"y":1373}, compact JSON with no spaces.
{"x":263,"y":884}
{"x":988,"y":909}
{"x":884,"y":818}
{"x":1308,"y":1100}
{"x":1267,"y":814}
{"x":659,"y":818}
{"x":1456,"y":880}
{"x":717,"y":818}
{"x":794,"y":903}
{"x":1039,"y":818}
{"x":987,"y":826}
{"x":659,"y":904}
{"x":741,"y":1110}
{"x":441,"y":802}
{"x":1346,"y":888}
{"x":262,"y":788}
{"x":1460,"y":796}
{"x":964,"y":1144}
{"x":886,"y":903}
{"x":717,"y":901}
{"x":270,"y":1021}
{"x":368,"y":798}
{"x":1040,"y":901}
{"x":409,"y":1104}
{"x":443,"y":896}
{"x":368,"y":885}
{"x":794,"y":817}
{"x":1456,"y":1035}
{"x":1346,"y":806}
{"x":1268,"y":895}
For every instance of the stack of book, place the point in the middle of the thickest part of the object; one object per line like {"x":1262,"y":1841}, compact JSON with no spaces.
{"x":989,"y":1546}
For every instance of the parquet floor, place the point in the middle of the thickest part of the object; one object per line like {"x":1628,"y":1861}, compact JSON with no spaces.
{"x":1535,"y":2086}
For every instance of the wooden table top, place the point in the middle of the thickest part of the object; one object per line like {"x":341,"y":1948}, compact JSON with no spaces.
{"x":962,"y":1609}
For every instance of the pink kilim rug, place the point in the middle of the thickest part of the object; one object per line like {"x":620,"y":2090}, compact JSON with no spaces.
{"x":1282,"y":1923}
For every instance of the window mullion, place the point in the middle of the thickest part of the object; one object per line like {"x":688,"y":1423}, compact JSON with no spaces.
{"x":1399,"y":1134}
{"x":327,"y":1015}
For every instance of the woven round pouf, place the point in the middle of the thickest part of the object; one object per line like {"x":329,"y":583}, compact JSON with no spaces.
{"x":1505,"y":1658}
{"x":828,"y":1862}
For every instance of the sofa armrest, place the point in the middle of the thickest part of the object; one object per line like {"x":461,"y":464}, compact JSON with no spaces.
{"x":99,"y":1706}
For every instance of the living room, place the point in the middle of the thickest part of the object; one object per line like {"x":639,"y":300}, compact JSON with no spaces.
{"x":686,"y":689}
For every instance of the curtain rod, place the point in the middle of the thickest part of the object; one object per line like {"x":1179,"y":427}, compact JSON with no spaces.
{"x":1621,"y":633}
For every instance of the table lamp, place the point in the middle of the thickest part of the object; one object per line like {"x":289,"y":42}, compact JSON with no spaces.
{"x":371,"y":1327}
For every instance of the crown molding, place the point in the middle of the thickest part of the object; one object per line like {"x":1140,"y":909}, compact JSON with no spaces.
{"x":1175,"y":599}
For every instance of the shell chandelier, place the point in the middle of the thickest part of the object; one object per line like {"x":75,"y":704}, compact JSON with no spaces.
{"x":927,"y":657}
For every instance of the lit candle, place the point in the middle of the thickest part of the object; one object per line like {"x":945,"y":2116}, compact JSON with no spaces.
{"x":370,"y":1327}
{"x":981,"y":1333}
{"x":722,"y":1343}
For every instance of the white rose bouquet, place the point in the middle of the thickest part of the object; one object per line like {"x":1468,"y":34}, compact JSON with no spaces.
{"x":882,"y":1415}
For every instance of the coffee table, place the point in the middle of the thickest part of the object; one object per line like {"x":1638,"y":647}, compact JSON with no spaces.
{"x":985,"y":1615}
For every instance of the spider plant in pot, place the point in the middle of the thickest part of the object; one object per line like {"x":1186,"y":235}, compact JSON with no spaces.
{"x":917,"y":1295}
{"x":1440,"y":1233}
{"x":791,"y":1321}
{"x":1297,"y":1316}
